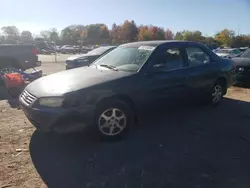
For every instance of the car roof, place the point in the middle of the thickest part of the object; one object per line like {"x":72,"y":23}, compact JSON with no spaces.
{"x":107,"y":46}
{"x":156,"y":43}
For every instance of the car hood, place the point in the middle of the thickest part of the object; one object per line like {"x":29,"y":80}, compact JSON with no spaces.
{"x":240,"y":61}
{"x":64,"y":82}
{"x":80,"y":56}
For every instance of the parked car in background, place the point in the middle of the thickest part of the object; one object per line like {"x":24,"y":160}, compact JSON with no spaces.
{"x":88,"y":58}
{"x":67,"y":49}
{"x":58,"y":48}
{"x":243,"y":49}
{"x":228,"y":52}
{"x":20,"y":56}
{"x":113,"y":93}
{"x":242,"y":64}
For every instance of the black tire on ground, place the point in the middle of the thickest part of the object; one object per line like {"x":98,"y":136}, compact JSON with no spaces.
{"x":113,"y":119}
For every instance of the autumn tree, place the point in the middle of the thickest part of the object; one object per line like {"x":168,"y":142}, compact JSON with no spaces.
{"x":54,"y":35}
{"x":151,"y":33}
{"x":11,"y":33}
{"x":169,"y":34}
{"x":144,"y":34}
{"x":211,"y":42}
{"x":73,"y":34}
{"x":178,"y":36}
{"x":45,"y":34}
{"x":225,"y":37}
{"x":97,"y":33}
{"x":128,"y":31}
{"x":67,"y":35}
{"x":157,"y":33}
{"x":26,"y":36}
{"x":240,"y":41}
{"x":195,"y":36}
{"x":115,"y":34}
{"x":50,"y":35}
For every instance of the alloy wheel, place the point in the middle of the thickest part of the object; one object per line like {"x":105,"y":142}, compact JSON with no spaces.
{"x":217,"y":94}
{"x":112,"y":122}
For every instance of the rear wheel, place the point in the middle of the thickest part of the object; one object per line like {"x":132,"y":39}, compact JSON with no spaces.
{"x":113,"y":119}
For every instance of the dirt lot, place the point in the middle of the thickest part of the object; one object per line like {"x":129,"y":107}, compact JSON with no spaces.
{"x":192,"y":146}
{"x":52,"y":58}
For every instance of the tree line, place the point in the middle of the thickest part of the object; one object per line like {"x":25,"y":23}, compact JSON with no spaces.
{"x":128,"y":31}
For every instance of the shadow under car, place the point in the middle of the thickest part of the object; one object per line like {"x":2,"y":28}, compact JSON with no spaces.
{"x":185,"y":147}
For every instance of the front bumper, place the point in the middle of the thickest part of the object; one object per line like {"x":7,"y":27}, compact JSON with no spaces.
{"x":59,"y":119}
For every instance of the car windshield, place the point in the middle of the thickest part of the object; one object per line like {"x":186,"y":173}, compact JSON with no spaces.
{"x":128,"y":59}
{"x":99,"y":51}
{"x":246,"y":54}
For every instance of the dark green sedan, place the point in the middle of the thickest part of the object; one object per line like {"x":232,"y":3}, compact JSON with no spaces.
{"x":113,"y":92}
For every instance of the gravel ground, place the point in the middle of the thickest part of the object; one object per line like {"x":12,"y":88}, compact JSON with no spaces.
{"x":192,"y":146}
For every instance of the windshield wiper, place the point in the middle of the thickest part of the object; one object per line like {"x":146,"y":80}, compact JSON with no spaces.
{"x":109,"y":67}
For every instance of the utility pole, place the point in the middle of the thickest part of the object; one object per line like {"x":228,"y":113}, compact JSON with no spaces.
{"x":53,"y":39}
{"x":55,"y":52}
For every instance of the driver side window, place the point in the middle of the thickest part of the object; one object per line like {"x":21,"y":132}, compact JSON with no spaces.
{"x":170,"y":59}
{"x":197,"y":56}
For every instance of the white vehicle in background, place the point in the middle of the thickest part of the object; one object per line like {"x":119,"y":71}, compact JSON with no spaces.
{"x":67,"y":49}
{"x":228,"y":52}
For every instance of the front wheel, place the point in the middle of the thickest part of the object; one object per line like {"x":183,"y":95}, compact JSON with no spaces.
{"x":113,"y":119}
{"x":217,"y":93}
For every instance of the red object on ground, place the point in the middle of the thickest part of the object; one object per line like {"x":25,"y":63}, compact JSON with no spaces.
{"x":13,"y":80}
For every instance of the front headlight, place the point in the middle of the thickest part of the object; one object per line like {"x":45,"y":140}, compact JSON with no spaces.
{"x":241,"y":69}
{"x":51,"y":101}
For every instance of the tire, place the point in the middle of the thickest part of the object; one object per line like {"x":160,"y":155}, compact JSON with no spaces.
{"x":113,"y":119}
{"x":218,"y":91}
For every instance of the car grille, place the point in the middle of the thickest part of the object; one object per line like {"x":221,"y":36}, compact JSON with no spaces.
{"x":27,"y":98}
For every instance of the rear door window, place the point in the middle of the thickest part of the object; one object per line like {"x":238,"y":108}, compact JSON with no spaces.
{"x":197,"y":56}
